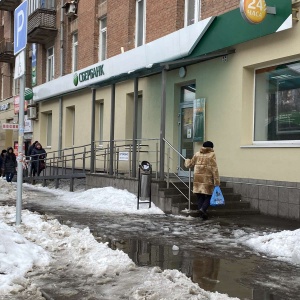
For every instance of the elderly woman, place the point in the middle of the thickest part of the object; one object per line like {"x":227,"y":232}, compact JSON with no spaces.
{"x":206,"y":175}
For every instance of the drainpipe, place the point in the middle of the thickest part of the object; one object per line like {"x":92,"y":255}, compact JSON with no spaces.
{"x":135,"y":116}
{"x":92,"y":166}
{"x":62,"y":41}
{"x":61,"y":74}
{"x":112,"y":129}
{"x":162,"y":124}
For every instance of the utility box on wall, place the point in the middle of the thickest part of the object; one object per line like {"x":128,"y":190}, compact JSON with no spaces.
{"x":31,"y":113}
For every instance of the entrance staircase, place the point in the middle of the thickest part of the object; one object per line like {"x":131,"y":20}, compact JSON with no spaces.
{"x":180,"y":206}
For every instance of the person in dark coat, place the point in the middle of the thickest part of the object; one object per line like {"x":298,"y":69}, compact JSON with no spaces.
{"x":10,"y":164}
{"x":31,"y":147}
{"x":38,"y":155}
{"x":3,"y":153}
{"x":29,"y":157}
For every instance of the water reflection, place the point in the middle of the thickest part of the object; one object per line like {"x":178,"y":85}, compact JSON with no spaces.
{"x":211,"y":273}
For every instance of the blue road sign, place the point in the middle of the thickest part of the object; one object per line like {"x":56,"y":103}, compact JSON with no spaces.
{"x":20,"y":27}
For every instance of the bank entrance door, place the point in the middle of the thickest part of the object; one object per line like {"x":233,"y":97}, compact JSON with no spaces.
{"x":185,"y":122}
{"x":186,"y":145}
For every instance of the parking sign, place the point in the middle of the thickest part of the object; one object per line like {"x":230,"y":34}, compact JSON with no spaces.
{"x":20,"y":27}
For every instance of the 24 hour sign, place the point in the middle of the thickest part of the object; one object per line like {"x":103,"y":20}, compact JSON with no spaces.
{"x":253,"y":11}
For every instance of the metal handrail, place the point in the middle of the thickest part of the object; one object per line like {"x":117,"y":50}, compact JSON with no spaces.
{"x":168,"y":175}
{"x":173,"y":148}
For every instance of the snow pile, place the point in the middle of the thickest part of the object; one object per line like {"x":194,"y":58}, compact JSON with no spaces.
{"x":18,"y":256}
{"x":282,"y":245}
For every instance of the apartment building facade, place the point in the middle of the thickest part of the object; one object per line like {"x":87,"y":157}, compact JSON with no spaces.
{"x":134,"y":72}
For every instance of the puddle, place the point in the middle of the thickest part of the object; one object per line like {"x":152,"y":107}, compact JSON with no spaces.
{"x":212,"y":274}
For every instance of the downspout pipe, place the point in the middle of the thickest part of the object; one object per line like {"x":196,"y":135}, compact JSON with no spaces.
{"x":61,"y":74}
{"x":162,"y":125}
{"x":92,"y":166}
{"x":112,"y":129}
{"x":135,"y":117}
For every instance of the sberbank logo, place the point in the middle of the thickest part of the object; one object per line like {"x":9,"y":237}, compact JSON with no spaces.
{"x":75,"y":79}
{"x":88,"y":74}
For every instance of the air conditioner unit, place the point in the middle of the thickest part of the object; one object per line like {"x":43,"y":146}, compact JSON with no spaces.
{"x":71,"y":9}
{"x":31,"y":113}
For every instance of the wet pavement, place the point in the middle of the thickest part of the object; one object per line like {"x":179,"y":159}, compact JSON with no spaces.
{"x":208,"y":253}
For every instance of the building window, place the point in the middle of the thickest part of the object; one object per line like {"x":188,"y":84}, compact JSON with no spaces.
{"x":70,"y":126}
{"x":49,"y":130}
{"x":130,"y":116}
{"x":191,"y":12}
{"x":50,"y":64}
{"x":35,"y":4}
{"x":74,"y":52}
{"x":15,"y":87}
{"x":140,"y":22}
{"x":188,"y":93}
{"x":102,"y":39}
{"x":277,"y":103}
{"x":99,"y":122}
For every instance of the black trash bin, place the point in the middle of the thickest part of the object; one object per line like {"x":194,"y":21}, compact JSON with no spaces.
{"x":144,"y":184}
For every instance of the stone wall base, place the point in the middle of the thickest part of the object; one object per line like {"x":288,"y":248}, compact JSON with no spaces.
{"x":275,"y":198}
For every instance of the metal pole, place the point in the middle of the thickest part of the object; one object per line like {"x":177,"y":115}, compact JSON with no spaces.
{"x":60,"y":125}
{"x":92,"y":166}
{"x":168,"y":168}
{"x":162,"y":123}
{"x":156,"y":173}
{"x":112,"y":129}
{"x":130,"y":160}
{"x":190,"y":173}
{"x":135,"y":116}
{"x":20,"y":150}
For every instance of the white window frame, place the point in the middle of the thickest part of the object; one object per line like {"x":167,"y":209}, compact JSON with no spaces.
{"x":50,"y":64}
{"x":267,"y":143}
{"x":102,"y":42}
{"x":74,"y":51}
{"x":15,"y":85}
{"x":33,"y":5}
{"x":137,"y":28}
{"x":197,"y":11}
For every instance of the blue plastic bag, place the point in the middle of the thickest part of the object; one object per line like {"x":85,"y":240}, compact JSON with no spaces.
{"x":217,"y":197}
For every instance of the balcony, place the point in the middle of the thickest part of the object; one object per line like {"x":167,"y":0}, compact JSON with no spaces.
{"x":9,"y":5}
{"x":7,"y":51}
{"x":42,"y":26}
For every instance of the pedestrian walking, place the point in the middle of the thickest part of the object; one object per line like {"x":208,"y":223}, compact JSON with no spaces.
{"x":29,"y":157}
{"x":30,"y":148}
{"x":10,"y":164}
{"x":206,"y":175}
{"x":3,"y":153}
{"x":38,"y":159}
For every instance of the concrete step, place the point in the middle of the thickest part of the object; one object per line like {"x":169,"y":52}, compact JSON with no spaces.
{"x":173,"y":190}
{"x":178,"y":198}
{"x":178,"y":203}
{"x":220,"y":213}
{"x":235,"y":206}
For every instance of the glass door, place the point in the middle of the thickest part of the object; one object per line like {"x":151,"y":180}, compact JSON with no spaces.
{"x":186,"y":145}
{"x":185,"y":122}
